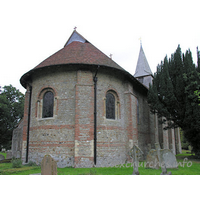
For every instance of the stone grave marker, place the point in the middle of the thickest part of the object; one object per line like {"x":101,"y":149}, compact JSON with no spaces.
{"x":2,"y":157}
{"x":152,"y":159}
{"x":163,"y":167}
{"x":48,"y":166}
{"x":161,"y":157}
{"x":135,"y":153}
{"x":168,"y":158}
{"x":8,"y":154}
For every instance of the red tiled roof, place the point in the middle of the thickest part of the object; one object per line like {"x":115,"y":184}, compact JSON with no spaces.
{"x":79,"y":53}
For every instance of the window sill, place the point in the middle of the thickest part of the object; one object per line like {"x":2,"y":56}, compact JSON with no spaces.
{"x":112,"y":120}
{"x":47,"y":118}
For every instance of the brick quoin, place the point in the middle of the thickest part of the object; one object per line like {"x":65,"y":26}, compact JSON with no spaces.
{"x":84,"y":117}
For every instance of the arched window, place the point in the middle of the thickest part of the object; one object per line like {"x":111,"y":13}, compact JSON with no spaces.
{"x":110,"y":106}
{"x":48,"y":104}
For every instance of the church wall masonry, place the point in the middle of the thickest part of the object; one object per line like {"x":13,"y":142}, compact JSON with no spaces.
{"x":54,"y":135}
{"x":68,"y":135}
{"x":111,"y":134}
{"x":146,"y":124}
{"x":84,"y":119}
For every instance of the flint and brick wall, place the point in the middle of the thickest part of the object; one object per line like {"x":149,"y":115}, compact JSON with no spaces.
{"x":112,"y":138}
{"x":54,"y":135}
{"x":84,"y":120}
{"x":146,"y":126}
{"x":69,"y":135}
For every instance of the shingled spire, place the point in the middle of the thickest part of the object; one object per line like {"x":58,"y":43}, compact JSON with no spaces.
{"x":143,"y":71}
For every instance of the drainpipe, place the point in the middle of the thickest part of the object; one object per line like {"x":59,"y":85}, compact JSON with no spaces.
{"x":28,"y":125}
{"x":95,"y":79}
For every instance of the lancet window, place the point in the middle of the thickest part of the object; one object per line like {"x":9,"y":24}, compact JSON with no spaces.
{"x":48,"y":104}
{"x":111,"y":105}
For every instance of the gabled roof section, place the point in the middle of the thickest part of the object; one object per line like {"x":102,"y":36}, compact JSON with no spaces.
{"x":142,"y":68}
{"x":75,"y":37}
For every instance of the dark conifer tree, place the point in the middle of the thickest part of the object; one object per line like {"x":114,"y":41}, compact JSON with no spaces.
{"x":198,"y":60}
{"x":172,"y":95}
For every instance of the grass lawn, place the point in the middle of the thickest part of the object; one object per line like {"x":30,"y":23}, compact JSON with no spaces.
{"x":4,"y":154}
{"x":188,"y":165}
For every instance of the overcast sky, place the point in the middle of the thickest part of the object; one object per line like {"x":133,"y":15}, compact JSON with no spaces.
{"x":31,"y":31}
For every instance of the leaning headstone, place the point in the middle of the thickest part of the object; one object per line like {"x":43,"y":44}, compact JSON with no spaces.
{"x":152,"y":160}
{"x":2,"y":157}
{"x":9,"y":154}
{"x":168,"y":158}
{"x":48,"y":166}
{"x":135,"y":153}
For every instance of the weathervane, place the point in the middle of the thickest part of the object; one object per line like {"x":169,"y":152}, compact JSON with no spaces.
{"x":75,"y":28}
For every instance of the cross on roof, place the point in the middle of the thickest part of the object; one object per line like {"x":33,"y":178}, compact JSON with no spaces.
{"x":75,"y":28}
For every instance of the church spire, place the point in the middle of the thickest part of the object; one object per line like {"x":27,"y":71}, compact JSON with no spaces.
{"x":143,"y":71}
{"x":142,"y":68}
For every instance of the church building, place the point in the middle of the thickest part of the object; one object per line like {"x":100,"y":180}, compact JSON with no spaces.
{"x":85,"y":110}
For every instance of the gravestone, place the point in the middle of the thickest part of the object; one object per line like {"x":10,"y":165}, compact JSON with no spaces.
{"x":168,"y":158}
{"x":161,"y":160}
{"x":8,"y":154}
{"x":2,"y":157}
{"x":161,"y":157}
{"x":48,"y":166}
{"x":164,"y":169}
{"x":152,"y":160}
{"x":135,"y":153}
{"x":162,"y":165}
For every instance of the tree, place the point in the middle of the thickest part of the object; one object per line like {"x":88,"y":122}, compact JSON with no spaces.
{"x":11,"y":112}
{"x":172,"y":95}
{"x":198,"y":60}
